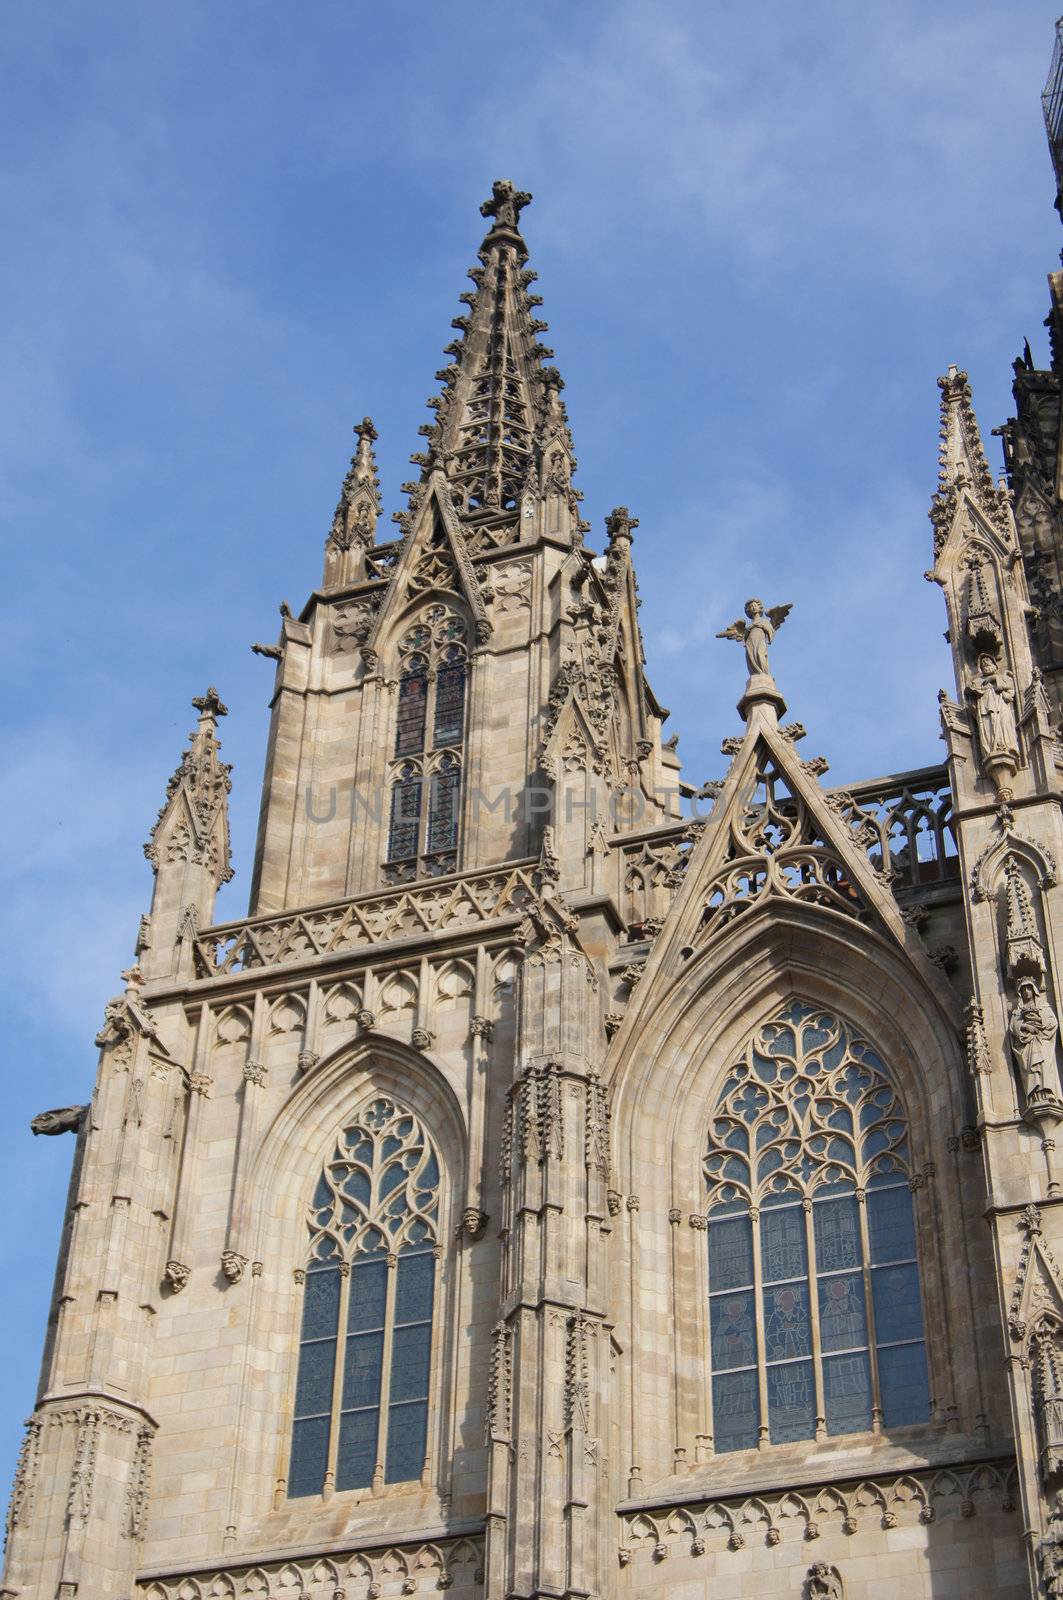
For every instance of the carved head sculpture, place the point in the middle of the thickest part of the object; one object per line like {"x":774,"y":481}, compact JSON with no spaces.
{"x":754,"y":609}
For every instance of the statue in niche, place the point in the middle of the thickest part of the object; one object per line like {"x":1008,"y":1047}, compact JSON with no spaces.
{"x":1032,"y":1031}
{"x":994,"y":698}
{"x":756,"y":631}
{"x":1050,"y":1553}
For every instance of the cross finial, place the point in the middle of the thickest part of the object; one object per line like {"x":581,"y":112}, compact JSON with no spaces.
{"x":365,"y":430}
{"x":506,"y":204}
{"x":210,"y":704}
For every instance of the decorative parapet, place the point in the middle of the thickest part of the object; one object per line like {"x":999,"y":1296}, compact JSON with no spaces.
{"x":417,"y":1568}
{"x":904,"y":822}
{"x":739,"y":1522}
{"x":366,"y":920}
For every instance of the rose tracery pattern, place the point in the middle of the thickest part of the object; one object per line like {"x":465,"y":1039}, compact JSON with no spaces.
{"x":816,"y":1321}
{"x":361,"y":1402}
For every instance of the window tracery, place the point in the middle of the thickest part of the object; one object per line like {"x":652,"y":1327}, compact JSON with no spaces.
{"x":362,"y":1389}
{"x":815,"y":1315}
{"x":429,"y":734}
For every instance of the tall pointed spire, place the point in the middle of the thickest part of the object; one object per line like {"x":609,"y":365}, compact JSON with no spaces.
{"x":500,"y":409}
{"x":962,"y":461}
{"x":353,"y":529}
{"x":189,"y":845}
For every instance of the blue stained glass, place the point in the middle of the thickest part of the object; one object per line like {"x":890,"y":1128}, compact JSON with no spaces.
{"x":407,"y":1439}
{"x":902,"y":1377}
{"x":733,"y":1334}
{"x":847,"y":1393}
{"x":842,"y":1313}
{"x":782,"y":1244}
{"x":730,"y":1254}
{"x":735,"y":1410}
{"x":369,"y":1288}
{"x":356,"y":1185}
{"x":891,"y":1224}
{"x":898,"y":1313}
{"x":414,"y":1288}
{"x":409,"y":1362}
{"x":791,"y":1402}
{"x":321,"y":1304}
{"x":361,"y":1370}
{"x":787,"y":1325}
{"x":306,"y":1470}
{"x":356,"y":1454}
{"x":313,"y":1389}
{"x":393,"y":1177}
{"x":837,"y":1234}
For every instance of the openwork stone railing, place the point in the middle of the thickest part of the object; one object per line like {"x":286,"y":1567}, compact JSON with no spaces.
{"x":905,"y":824}
{"x":366,"y":920}
{"x":454,"y":1564}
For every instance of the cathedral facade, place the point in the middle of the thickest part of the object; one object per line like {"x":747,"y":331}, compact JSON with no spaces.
{"x":566,"y":1180}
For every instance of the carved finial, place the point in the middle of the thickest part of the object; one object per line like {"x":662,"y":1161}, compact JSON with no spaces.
{"x":365,"y":431}
{"x":619,"y":523}
{"x":505,"y":205}
{"x":210,"y":704}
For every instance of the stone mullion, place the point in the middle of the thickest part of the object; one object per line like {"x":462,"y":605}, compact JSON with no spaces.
{"x":338,"y":1373}
{"x":707,"y":1411}
{"x":872,"y":1345}
{"x":813,"y":1312}
{"x":385,"y":1374}
{"x":763,"y":1435}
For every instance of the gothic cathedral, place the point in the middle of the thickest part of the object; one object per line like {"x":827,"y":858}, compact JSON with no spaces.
{"x":567,"y":1181}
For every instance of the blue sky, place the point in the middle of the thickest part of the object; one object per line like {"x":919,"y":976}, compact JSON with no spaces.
{"x":231,"y":230}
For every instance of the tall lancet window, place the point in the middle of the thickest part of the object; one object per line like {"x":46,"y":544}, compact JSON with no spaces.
{"x":425,"y":778}
{"x":815,"y":1314}
{"x":362,"y":1391}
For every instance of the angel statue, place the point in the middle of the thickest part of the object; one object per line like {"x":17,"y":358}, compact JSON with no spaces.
{"x":756,"y":634}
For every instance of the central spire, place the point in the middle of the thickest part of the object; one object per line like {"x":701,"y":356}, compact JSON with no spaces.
{"x":500,"y":408}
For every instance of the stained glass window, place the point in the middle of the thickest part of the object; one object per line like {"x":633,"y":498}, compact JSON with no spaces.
{"x":443,"y":805}
{"x":450,"y":699}
{"x":433,"y":657}
{"x":815,"y":1312}
{"x":405,"y":815}
{"x":413,"y":707}
{"x":373,"y":1223}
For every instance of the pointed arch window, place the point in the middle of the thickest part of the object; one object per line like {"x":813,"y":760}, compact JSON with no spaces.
{"x":364,"y":1375}
{"x":815,"y":1313}
{"x":423,"y":837}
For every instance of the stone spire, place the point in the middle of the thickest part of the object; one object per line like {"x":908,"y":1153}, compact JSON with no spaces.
{"x":500,"y":409}
{"x":189,"y":845}
{"x":353,"y":529}
{"x":962,"y":463}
